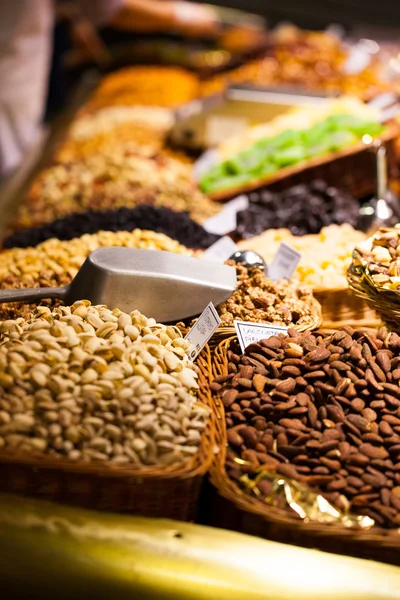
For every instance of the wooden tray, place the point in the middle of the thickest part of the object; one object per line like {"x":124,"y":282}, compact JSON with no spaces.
{"x":350,"y":169}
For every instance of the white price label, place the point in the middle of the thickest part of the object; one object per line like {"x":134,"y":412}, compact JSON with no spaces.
{"x":225,"y":221}
{"x":284,"y":263}
{"x":221,"y":250}
{"x":202,"y":330}
{"x":254,"y":332}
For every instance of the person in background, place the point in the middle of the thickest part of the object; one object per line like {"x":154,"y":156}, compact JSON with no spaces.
{"x":26,"y":28}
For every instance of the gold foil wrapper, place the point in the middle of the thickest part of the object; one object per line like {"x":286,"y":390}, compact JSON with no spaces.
{"x":308,"y":504}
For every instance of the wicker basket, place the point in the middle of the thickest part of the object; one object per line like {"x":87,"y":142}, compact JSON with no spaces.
{"x":227,"y":332}
{"x":341,"y":305}
{"x":352,"y":167}
{"x":385,"y":302}
{"x":170,"y":492}
{"x":234,"y":509}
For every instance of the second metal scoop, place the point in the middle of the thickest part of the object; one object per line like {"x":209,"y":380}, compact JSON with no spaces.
{"x":162,"y":285}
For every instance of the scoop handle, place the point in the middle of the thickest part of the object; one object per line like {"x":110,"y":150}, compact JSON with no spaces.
{"x":32,"y":294}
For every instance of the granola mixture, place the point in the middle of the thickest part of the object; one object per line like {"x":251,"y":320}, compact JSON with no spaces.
{"x":258,"y":299}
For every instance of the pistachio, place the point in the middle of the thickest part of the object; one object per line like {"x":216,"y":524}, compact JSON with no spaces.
{"x":91,"y":384}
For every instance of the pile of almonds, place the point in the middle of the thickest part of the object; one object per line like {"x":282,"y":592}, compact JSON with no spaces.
{"x":87,"y":383}
{"x":324,"y":411}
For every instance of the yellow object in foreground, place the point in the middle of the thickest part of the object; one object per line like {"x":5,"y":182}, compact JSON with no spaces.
{"x":51,"y":551}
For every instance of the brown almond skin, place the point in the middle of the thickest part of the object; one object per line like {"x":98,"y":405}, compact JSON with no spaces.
{"x":286,"y":386}
{"x":234,"y":439}
{"x":383,"y":361}
{"x":373,"y":451}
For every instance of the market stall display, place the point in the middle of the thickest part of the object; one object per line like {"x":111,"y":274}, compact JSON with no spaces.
{"x":55,"y":263}
{"x":84,"y":384}
{"x":105,"y":409}
{"x":114,"y":126}
{"x":177,"y":225}
{"x":374,"y":274}
{"x":144,"y":85}
{"x":258,"y":299}
{"x":313,"y":60}
{"x":319,"y":414}
{"x":119,"y":177}
{"x":307,"y":142}
{"x":302,"y":209}
{"x":325,"y":258}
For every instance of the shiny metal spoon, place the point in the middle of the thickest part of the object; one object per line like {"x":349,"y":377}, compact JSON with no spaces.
{"x":250,"y":259}
{"x":378,"y":212}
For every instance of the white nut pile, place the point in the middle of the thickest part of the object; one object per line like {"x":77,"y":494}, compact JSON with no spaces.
{"x":88,"y":383}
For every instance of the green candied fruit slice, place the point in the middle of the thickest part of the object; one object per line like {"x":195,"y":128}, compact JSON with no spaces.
{"x":357,"y":125}
{"x":248,"y":161}
{"x":340,"y":139}
{"x":209,"y":187}
{"x":316,"y":134}
{"x":287,"y":138}
{"x":267,"y":168}
{"x":318,"y":149}
{"x":289,"y":156}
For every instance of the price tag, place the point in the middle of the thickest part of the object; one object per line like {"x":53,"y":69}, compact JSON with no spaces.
{"x":221,"y":250}
{"x":254,"y":332}
{"x":357,"y":60}
{"x":202,"y":330}
{"x":284,"y":263}
{"x":225,"y":221}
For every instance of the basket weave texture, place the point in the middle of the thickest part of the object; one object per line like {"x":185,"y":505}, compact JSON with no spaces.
{"x":169,"y":492}
{"x":234,"y":509}
{"x":385,"y":302}
{"x":352,"y":167}
{"x":341,"y":305}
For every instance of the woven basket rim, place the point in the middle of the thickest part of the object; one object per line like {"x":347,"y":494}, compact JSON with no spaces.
{"x":198,"y":465}
{"x":232,"y":492}
{"x":391,"y":132}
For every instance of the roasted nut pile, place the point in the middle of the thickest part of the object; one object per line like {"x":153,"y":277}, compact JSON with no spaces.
{"x":258,"y":299}
{"x":91,"y":384}
{"x":177,"y":225}
{"x":113,"y":126}
{"x":321,"y":410}
{"x":325,"y":257}
{"x":67,"y":257}
{"x":105,"y":120}
{"x":147,"y":142}
{"x":314,"y":60}
{"x":302,"y":209}
{"x":145,"y":85}
{"x":55,"y":263}
{"x":381,"y":253}
{"x":119,"y":177}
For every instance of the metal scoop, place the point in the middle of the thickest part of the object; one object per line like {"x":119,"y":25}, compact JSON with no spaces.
{"x":162,"y":285}
{"x":382,"y":210}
